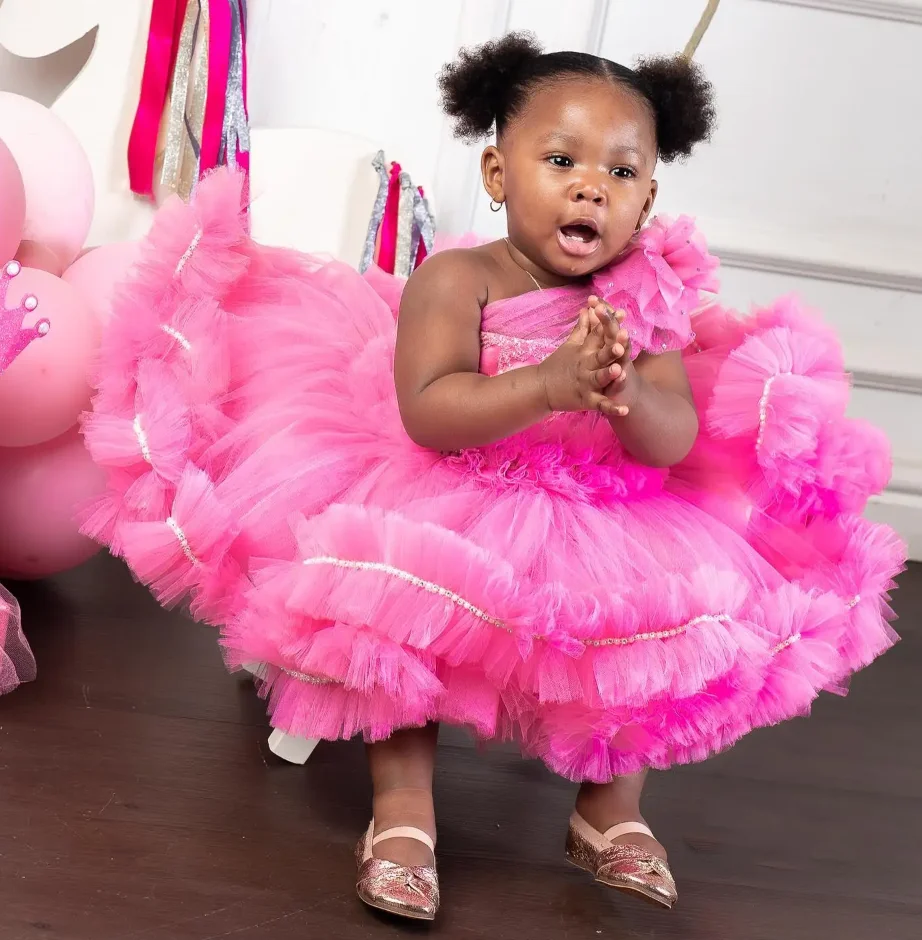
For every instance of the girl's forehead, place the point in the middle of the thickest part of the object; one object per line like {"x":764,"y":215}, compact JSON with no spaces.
{"x":587,"y":108}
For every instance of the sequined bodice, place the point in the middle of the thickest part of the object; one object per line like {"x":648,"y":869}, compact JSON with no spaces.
{"x":570,"y":453}
{"x":526,"y":329}
{"x":500,"y":353}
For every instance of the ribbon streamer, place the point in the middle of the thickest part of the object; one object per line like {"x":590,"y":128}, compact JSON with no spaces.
{"x":243,"y":135}
{"x":179,"y":93}
{"x":219,"y":52}
{"x":387,"y":236}
{"x":195,"y":71}
{"x":402,"y":227}
{"x":235,"y":135}
{"x":377,"y":212}
{"x":403,"y":260}
{"x":165,"y":17}
{"x":415,"y":243}
{"x":425,"y":223}
{"x":196,"y":100}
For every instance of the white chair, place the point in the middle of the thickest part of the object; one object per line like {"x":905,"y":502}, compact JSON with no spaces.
{"x":312,"y":190}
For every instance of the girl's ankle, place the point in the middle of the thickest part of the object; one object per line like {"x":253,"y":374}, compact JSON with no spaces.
{"x":400,"y":807}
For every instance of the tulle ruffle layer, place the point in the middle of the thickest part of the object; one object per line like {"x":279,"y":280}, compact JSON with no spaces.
{"x":17,"y":664}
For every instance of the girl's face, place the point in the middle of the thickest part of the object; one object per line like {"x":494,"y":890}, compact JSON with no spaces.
{"x":575,"y":171}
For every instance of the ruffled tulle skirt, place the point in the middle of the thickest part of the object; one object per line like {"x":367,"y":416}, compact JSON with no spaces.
{"x":609,"y":621}
{"x":17,"y":664}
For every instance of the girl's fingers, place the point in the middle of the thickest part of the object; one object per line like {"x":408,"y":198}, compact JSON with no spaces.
{"x":609,"y":408}
{"x":582,"y":330}
{"x":601,"y":378}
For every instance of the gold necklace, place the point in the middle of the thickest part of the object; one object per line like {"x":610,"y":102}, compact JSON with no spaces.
{"x":516,"y":263}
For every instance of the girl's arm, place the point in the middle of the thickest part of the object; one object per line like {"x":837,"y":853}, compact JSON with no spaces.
{"x":445,"y":403}
{"x":661,"y":424}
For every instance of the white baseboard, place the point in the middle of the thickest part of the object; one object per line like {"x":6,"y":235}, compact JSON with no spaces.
{"x":903,"y":511}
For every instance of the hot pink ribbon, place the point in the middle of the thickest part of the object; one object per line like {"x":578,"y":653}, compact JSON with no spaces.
{"x":243,"y":157}
{"x":387,"y":248}
{"x":162,"y":40}
{"x":219,"y":47}
{"x":421,"y":251}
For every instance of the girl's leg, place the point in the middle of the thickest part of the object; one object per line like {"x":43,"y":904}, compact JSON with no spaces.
{"x":401,"y":775}
{"x":606,"y":805}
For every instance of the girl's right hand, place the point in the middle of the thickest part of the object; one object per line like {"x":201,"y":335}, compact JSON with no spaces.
{"x":576,"y":374}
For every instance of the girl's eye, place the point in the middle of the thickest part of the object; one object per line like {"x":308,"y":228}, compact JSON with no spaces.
{"x":623,"y":173}
{"x":559,"y":160}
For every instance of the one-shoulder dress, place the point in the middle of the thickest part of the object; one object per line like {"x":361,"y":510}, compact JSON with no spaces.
{"x":547,"y":588}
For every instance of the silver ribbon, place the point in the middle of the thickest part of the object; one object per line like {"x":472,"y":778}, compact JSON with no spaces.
{"x":235,"y":132}
{"x":414,"y":240}
{"x":403,"y":260}
{"x":194,"y":116}
{"x":425,"y":222}
{"x":377,"y":212}
{"x":179,"y":93}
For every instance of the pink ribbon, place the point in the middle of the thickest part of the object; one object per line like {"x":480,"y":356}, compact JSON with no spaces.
{"x":243,"y":157}
{"x":421,"y":251}
{"x":162,"y":40}
{"x":219,"y":47}
{"x":387,"y":249}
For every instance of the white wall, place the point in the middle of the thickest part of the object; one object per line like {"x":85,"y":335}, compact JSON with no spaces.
{"x":811,"y":183}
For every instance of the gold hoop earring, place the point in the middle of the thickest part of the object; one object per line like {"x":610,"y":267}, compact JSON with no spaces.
{"x":495,"y":206}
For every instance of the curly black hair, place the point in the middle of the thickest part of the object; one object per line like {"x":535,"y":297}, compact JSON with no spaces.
{"x":489,"y":85}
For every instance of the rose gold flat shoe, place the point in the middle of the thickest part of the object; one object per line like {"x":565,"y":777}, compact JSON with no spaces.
{"x":407,"y":892}
{"x":624,"y":866}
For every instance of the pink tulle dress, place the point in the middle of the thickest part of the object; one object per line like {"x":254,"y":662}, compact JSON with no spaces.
{"x":17,"y":664}
{"x":548,"y":588}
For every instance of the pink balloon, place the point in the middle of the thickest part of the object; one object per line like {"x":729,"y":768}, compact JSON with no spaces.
{"x":56,"y":175}
{"x":12,"y":204}
{"x":98,"y":272}
{"x":41,"y":490}
{"x":46,"y":386}
{"x":34,"y":255}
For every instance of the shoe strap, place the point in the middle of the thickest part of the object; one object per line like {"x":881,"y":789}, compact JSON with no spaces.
{"x":405,"y":832}
{"x":628,"y":828}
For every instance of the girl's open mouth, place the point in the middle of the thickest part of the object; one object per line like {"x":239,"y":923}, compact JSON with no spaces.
{"x":579,"y":238}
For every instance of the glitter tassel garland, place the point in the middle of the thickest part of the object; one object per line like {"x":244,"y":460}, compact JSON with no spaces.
{"x":236,"y":132}
{"x":403,"y":266}
{"x":401,"y":229}
{"x":179,"y":94}
{"x":195,"y":72}
{"x":377,"y":212}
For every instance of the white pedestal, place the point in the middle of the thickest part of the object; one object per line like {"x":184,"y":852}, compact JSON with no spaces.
{"x":289,"y":748}
{"x":294,"y":750}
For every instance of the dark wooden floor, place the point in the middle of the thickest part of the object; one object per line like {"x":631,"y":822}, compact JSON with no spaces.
{"x":139,"y":802}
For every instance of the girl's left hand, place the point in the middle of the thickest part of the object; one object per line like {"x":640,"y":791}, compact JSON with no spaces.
{"x":625,"y":386}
